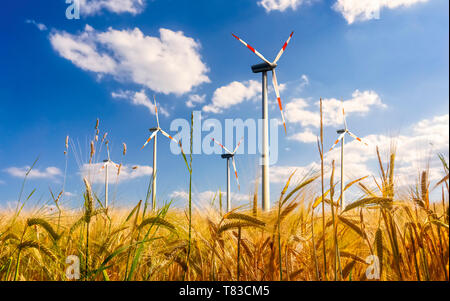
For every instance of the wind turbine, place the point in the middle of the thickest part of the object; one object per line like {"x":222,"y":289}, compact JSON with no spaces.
{"x":154,"y":136}
{"x":342,"y":139}
{"x":105,"y":166}
{"x":264,"y":68}
{"x":228,"y":156}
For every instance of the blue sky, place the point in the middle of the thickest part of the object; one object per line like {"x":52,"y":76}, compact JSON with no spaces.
{"x":60,"y":75}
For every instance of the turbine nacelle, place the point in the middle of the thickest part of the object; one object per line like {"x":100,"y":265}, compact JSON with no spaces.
{"x":264,"y":67}
{"x":227,"y":156}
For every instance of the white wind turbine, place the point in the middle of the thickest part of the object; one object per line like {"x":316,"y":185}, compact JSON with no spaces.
{"x":264,"y":68}
{"x":154,"y":136}
{"x":342,"y":139}
{"x":106,"y":163}
{"x":230,"y":155}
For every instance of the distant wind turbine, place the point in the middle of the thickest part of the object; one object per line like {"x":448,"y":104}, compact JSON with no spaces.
{"x":105,"y":166}
{"x":154,"y":136}
{"x":230,"y":155}
{"x":342,"y":139}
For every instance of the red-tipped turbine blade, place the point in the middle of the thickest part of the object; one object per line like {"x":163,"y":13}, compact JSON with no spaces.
{"x":239,"y":144}
{"x":220,"y":144}
{"x":168,"y":136}
{"x":156,"y":110}
{"x":277,"y":92}
{"x":149,"y":139}
{"x":252,"y":50}
{"x":337,"y":141}
{"x":235,"y":173}
{"x":343,"y":115}
{"x":283,"y":48}
{"x":356,"y":137}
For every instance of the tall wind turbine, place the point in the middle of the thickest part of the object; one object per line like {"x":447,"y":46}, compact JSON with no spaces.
{"x":342,"y":139}
{"x":154,"y":136}
{"x":107,"y":162}
{"x":229,"y":155}
{"x":264,"y":68}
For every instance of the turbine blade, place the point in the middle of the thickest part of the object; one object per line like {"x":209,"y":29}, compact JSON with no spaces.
{"x":150,"y":139}
{"x":156,"y":111}
{"x":277,"y":92}
{"x":343,"y":115}
{"x":337,"y":141}
{"x":168,"y":136}
{"x":239,"y":144}
{"x":220,"y":144}
{"x":356,"y":137}
{"x":235,"y":173}
{"x":252,"y":50}
{"x":283,"y":48}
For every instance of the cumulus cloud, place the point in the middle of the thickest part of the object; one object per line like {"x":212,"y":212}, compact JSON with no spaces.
{"x":306,"y":136}
{"x":282,"y":5}
{"x":194,"y":100}
{"x":415,"y":151}
{"x":92,"y":7}
{"x":40,"y":26}
{"x":233,"y":94}
{"x":298,"y":111}
{"x":167,"y":64}
{"x":139,"y":99}
{"x":280,"y":174}
{"x":363,"y":10}
{"x":48,"y":173}
{"x":96,"y":173}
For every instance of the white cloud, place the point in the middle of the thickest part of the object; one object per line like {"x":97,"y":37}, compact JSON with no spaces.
{"x":139,"y":99}
{"x":280,"y":174}
{"x":281,"y":5}
{"x":40,"y":26}
{"x":92,"y":7}
{"x":363,"y":10}
{"x":82,"y":51}
{"x":195,"y":99}
{"x":361,"y":103}
{"x":305,"y":80}
{"x":48,"y":173}
{"x":296,"y":112}
{"x":415,"y":151}
{"x":167,"y":64}
{"x":306,"y":136}
{"x":438,"y":126}
{"x":96,"y":173}
{"x":233,"y":94}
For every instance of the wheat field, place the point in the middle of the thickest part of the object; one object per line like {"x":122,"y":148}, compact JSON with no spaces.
{"x":293,"y":242}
